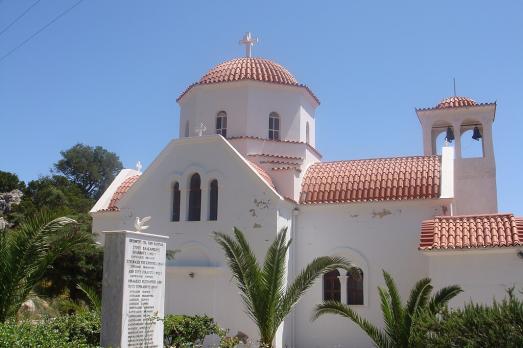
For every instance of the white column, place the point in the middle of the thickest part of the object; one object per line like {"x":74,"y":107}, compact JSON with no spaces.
{"x":343,"y":289}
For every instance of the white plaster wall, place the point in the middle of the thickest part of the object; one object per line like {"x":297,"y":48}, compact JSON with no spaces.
{"x":483,"y":274}
{"x":248,"y":105}
{"x":105,"y":221}
{"x":383,"y":235}
{"x":244,"y":201}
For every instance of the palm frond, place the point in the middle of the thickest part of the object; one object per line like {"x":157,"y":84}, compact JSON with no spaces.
{"x":27,"y":252}
{"x":244,"y":269}
{"x":95,"y":301}
{"x":442,"y":297}
{"x":419,"y":295}
{"x":395,"y":304}
{"x":273,"y":275}
{"x":334,"y":307}
{"x":388,"y":315}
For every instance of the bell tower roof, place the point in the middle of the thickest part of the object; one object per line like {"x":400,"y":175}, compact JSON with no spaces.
{"x":455,"y":102}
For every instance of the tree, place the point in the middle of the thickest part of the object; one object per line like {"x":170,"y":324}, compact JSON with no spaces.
{"x":27,"y":252}
{"x":91,"y":168}
{"x":399,"y":319}
{"x":9,"y":182}
{"x":262,"y":288}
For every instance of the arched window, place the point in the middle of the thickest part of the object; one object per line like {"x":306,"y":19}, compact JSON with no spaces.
{"x":221,"y":124}
{"x":176,"y":202}
{"x":195,"y":198}
{"x":213,"y":201}
{"x":186,"y":129}
{"x":331,"y":286}
{"x":355,"y":286}
{"x":274,"y":126}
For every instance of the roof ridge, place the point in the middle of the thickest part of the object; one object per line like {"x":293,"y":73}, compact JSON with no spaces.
{"x":470,"y":215}
{"x":374,"y":159}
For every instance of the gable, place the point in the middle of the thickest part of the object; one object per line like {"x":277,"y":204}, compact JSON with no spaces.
{"x":203,"y":158}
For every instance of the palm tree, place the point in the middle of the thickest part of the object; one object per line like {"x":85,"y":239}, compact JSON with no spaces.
{"x":27,"y":252}
{"x":262,"y":287}
{"x":399,"y":319}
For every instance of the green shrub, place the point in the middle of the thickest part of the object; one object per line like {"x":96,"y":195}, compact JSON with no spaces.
{"x":83,"y":326}
{"x":497,"y":325}
{"x":41,"y":335}
{"x":188,"y":331}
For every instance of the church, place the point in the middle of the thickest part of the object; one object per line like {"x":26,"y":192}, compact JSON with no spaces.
{"x":246,"y":157}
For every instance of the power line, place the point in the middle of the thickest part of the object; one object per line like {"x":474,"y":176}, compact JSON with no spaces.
{"x":62,"y":14}
{"x":19,"y":17}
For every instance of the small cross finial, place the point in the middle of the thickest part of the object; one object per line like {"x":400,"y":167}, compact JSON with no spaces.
{"x":248,"y":41}
{"x":139,"y":167}
{"x":200,"y":130}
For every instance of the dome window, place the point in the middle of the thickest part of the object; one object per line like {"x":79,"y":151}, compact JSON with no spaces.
{"x":274,"y":126}
{"x":221,"y":124}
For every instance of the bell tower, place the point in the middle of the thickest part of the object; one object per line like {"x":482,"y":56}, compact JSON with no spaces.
{"x":465,"y":125}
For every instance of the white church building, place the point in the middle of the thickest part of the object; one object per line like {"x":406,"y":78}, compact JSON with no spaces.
{"x":246,"y":157}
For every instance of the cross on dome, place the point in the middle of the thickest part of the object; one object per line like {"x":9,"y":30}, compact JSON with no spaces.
{"x":139,"y":167}
{"x":248,"y":41}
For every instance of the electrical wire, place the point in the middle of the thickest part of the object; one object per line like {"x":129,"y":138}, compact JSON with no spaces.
{"x":23,"y":43}
{"x":19,"y":17}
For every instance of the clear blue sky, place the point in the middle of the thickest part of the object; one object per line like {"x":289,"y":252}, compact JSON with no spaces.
{"x":108,"y":73}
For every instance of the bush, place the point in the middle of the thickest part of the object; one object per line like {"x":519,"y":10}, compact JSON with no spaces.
{"x":63,"y":332}
{"x":188,"y":331}
{"x":83,"y":327}
{"x":498,"y":325}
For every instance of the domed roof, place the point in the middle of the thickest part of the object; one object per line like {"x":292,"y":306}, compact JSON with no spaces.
{"x":455,"y":102}
{"x":249,"y":68}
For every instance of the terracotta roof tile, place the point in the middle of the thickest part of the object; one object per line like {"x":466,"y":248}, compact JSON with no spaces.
{"x":248,"y":68}
{"x":280,"y":141}
{"x":471,"y":231}
{"x":455,"y":102}
{"x":276,"y":156}
{"x":263,"y":173}
{"x":379,"y":179}
{"x":121,"y":191}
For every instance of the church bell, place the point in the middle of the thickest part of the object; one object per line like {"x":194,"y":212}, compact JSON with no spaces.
{"x":450,"y":135}
{"x":476,"y":135}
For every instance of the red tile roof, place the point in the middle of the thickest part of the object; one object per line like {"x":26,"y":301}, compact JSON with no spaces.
{"x":471,"y":231}
{"x":263,"y":173}
{"x":379,"y":179}
{"x":280,"y":141}
{"x":248,"y":68}
{"x":121,"y":191}
{"x":455,"y":102}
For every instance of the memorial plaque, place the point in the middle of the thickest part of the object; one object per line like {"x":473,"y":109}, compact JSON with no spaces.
{"x":144,"y":277}
{"x":133,"y":290}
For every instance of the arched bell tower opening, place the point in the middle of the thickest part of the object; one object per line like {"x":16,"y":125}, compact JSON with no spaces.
{"x":466,"y":126}
{"x":472,"y":145}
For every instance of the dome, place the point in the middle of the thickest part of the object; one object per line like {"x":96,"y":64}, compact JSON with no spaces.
{"x":248,"y":68}
{"x":455,"y":102}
